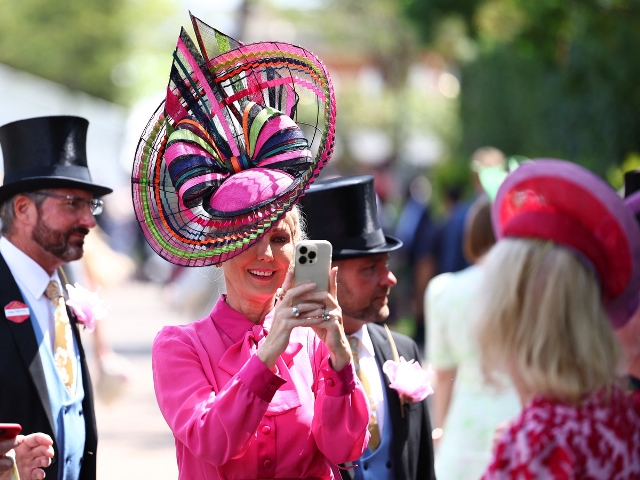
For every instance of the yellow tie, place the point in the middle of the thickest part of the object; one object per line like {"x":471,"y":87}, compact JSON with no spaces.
{"x":63,"y":349}
{"x":374,"y":441}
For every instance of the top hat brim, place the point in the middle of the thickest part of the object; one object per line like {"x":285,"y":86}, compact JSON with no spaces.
{"x":391,"y":244}
{"x":26,"y":185}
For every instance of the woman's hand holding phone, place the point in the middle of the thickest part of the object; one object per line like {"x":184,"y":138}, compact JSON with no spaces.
{"x":330,"y":330}
{"x":32,"y":452}
{"x":308,"y":300}
{"x":285,"y":320}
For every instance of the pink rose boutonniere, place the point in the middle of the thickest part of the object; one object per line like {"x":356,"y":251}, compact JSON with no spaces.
{"x":87,"y":306}
{"x":409,"y":379}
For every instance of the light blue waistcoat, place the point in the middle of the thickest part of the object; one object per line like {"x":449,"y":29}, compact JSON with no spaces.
{"x":67,"y":413}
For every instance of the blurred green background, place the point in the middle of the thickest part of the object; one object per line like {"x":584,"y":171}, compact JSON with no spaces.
{"x":421,"y":83}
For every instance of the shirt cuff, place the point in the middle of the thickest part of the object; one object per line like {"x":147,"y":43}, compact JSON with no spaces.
{"x":259,"y":379}
{"x":342,"y":382}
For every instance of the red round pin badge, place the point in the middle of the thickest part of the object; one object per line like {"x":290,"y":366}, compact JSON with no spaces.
{"x":16,"y":311}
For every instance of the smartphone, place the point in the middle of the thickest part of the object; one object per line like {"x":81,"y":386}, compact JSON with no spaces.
{"x":9,"y":430}
{"x":312,"y":263}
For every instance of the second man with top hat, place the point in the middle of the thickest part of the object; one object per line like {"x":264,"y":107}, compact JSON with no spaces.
{"x":343,"y":211}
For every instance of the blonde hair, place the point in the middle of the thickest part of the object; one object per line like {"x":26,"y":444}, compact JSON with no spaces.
{"x":541,"y":319}
{"x":297,"y":223}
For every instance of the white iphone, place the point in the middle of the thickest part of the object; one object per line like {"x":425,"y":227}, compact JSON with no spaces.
{"x":312,"y":263}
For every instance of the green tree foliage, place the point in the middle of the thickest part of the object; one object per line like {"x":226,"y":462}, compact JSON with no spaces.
{"x":356,"y":36}
{"x":550,"y":78}
{"x":83,"y":44}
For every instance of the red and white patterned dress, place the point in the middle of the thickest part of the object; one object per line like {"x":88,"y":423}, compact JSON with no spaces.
{"x":600,"y":439}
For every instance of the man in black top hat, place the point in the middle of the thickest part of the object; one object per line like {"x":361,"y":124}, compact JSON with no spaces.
{"x":47,"y":206}
{"x":343,"y":211}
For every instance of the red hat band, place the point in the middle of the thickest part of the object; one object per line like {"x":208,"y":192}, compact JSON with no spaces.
{"x":566,"y":231}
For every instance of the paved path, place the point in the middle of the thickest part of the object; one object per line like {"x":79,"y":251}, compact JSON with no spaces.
{"x":134,"y":440}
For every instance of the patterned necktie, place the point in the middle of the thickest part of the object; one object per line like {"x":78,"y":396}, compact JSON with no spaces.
{"x":374,"y":441}
{"x":63,"y":349}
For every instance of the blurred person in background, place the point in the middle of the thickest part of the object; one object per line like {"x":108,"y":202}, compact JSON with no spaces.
{"x":343,"y":211}
{"x":48,"y":207}
{"x":415,"y":228}
{"x":448,"y":245}
{"x":258,"y":388}
{"x":568,"y":254}
{"x":25,"y":457}
{"x":466,"y":411}
{"x":102,"y":268}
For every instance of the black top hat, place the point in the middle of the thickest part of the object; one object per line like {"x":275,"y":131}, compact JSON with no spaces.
{"x":46,"y":152}
{"x":343,"y":211}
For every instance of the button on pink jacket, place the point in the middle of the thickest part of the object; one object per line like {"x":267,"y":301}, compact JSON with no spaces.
{"x":233,"y":418}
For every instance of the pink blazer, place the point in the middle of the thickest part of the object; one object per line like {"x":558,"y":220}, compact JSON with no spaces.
{"x":233,"y":418}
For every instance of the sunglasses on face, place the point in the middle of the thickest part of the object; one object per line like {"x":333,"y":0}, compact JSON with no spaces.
{"x":78,"y":203}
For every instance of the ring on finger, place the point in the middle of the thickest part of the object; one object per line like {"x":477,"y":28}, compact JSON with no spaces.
{"x":295,"y":311}
{"x":325,"y":315}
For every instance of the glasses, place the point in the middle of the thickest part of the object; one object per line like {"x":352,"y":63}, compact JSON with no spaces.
{"x":78,"y":203}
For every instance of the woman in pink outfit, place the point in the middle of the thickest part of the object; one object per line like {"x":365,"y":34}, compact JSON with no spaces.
{"x":259,"y":388}
{"x":251,"y":391}
{"x":568,"y":256}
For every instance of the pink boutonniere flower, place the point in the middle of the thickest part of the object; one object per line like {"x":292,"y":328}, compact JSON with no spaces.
{"x":409,"y":379}
{"x":87,"y":306}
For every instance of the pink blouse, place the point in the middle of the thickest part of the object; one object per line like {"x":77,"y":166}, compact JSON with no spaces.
{"x":233,"y":418}
{"x":600,"y":439}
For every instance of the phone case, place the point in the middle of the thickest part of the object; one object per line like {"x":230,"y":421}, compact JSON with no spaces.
{"x":9,"y":430}
{"x":312,"y":263}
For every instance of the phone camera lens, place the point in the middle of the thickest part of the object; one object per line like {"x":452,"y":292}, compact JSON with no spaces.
{"x":312,"y":255}
{"x":302,"y":260}
{"x":303,"y":250}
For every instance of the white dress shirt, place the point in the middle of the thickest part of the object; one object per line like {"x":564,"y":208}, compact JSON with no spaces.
{"x":367,"y":358}
{"x":32,"y":280}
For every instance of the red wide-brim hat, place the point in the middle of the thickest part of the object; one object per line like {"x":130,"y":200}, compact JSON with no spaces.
{"x":562,"y":202}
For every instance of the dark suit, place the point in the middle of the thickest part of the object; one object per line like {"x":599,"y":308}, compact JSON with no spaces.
{"x":24,"y":397}
{"x":412,"y":444}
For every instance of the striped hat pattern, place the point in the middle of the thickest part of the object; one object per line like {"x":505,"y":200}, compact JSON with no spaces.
{"x":231,"y":148}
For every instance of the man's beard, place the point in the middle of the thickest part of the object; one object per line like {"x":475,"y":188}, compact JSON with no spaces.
{"x":368,"y":314}
{"x":57,"y":242}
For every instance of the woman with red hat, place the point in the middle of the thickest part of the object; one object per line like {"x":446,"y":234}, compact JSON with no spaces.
{"x":567,"y":259}
{"x":253,"y":390}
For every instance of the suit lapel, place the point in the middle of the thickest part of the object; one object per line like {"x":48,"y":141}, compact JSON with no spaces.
{"x":25,"y":339}
{"x":382,"y":349}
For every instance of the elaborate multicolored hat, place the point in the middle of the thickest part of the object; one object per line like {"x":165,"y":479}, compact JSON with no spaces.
{"x":565,"y":203}
{"x":243,"y":131}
